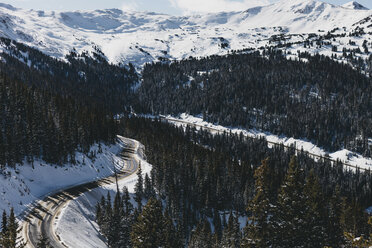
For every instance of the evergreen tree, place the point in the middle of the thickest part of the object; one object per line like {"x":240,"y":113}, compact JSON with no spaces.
{"x":171,"y":239}
{"x":217,"y":225}
{"x":12,"y":229}
{"x":201,"y":236}
{"x":149,"y":229}
{"x":231,"y":234}
{"x":4,"y":239}
{"x":257,"y":233}
{"x":315,"y":215}
{"x":290,"y":228}
{"x":335,"y":237}
{"x":148,"y":188}
{"x":139,"y":188}
{"x":126,"y":202}
{"x":43,"y":243}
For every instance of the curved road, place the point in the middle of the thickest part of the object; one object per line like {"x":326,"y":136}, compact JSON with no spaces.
{"x":39,"y":221}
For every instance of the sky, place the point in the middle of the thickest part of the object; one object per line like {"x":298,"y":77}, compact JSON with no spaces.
{"x":173,"y":7}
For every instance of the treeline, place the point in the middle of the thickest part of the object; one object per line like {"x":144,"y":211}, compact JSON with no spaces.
{"x":324,"y":101}
{"x":208,"y":183}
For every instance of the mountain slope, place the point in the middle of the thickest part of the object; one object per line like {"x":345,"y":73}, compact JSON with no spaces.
{"x":354,"y":5}
{"x":144,"y":37}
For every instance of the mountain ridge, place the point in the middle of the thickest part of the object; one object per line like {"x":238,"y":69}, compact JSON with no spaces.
{"x":354,"y":5}
{"x":143,"y":37}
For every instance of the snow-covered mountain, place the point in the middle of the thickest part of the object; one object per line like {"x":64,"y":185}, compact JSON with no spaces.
{"x":141,"y":37}
{"x":354,"y":5}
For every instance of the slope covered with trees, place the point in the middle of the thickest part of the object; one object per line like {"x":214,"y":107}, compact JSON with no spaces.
{"x":207,"y":183}
{"x":88,"y":78}
{"x":320,"y":100}
{"x":38,"y":124}
{"x":49,"y":109}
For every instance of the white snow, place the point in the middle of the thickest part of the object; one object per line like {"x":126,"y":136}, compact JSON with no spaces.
{"x":354,"y":5}
{"x":76,"y":225}
{"x":344,"y":155}
{"x":20,"y":187}
{"x":141,"y":37}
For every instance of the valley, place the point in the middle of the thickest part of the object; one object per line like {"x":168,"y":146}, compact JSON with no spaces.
{"x":250,"y":128}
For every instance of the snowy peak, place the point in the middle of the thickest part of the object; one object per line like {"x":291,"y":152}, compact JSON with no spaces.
{"x":143,"y":37}
{"x":354,"y":5}
{"x":7,"y":6}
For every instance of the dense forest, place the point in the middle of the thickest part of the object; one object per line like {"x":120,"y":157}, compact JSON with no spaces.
{"x":206,"y":184}
{"x":38,"y":124}
{"x":88,"y":78}
{"x":50,"y":109}
{"x":324,"y":101}
{"x":204,"y":190}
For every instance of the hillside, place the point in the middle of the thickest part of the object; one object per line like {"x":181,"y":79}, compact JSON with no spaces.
{"x":141,"y":37}
{"x":256,"y":123}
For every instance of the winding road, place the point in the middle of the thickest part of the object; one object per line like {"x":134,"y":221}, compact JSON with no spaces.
{"x":39,"y":221}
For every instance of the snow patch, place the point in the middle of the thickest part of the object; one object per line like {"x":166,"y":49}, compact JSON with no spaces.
{"x":344,"y":155}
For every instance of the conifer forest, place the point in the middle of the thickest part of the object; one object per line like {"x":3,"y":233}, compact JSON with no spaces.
{"x":143,"y":130}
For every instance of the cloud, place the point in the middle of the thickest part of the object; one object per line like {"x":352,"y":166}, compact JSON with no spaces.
{"x":206,"y":6}
{"x":129,"y":5}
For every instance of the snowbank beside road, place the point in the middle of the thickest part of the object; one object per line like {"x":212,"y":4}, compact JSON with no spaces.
{"x":20,"y":187}
{"x":76,"y":225}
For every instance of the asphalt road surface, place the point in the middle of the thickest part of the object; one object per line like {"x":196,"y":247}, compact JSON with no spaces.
{"x":39,"y":220}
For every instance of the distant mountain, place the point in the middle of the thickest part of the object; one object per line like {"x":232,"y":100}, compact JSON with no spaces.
{"x":354,"y":5}
{"x":140,"y":37}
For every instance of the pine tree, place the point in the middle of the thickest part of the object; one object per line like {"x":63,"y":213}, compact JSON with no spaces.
{"x":43,"y":242}
{"x":115,"y":226}
{"x":12,"y":229}
{"x":201,"y":236}
{"x":139,"y":188}
{"x":231,"y":234}
{"x":171,"y":237}
{"x":335,"y":234}
{"x":4,"y":239}
{"x":315,"y":214}
{"x":289,"y":219}
{"x":257,"y":233}
{"x":128,"y":206}
{"x":107,"y":217}
{"x":217,"y":224}
{"x":148,"y":188}
{"x":148,"y":230}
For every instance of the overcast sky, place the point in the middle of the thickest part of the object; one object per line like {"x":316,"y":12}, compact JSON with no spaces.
{"x":175,"y":7}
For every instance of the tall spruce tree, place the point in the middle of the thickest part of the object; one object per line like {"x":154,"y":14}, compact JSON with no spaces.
{"x":257,"y":233}
{"x":290,"y":228}
{"x":335,"y":234}
{"x":148,"y":230}
{"x":231,"y":236}
{"x":315,"y":214}
{"x":138,"y":189}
